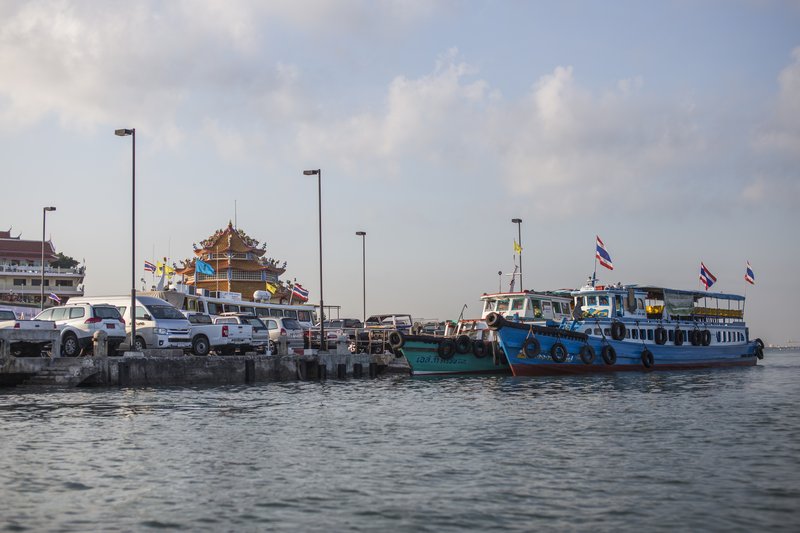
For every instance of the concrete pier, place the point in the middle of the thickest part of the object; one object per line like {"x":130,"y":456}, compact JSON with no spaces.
{"x":162,"y":368}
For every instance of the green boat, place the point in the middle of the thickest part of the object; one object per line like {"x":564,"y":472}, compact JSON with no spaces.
{"x":470,"y":350}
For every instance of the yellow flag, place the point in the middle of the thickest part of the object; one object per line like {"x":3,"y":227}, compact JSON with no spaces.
{"x":272,"y":288}
{"x":517,"y":247}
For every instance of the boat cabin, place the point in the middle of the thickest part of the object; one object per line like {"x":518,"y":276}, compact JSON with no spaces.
{"x":527,"y":305}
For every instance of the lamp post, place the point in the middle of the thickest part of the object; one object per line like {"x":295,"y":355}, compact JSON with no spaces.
{"x":363,"y":235}
{"x":132,"y":133}
{"x":518,"y":222}
{"x":44,"y":222}
{"x":323,"y":342}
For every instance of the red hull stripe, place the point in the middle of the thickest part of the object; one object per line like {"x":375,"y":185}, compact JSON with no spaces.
{"x":555,"y":369}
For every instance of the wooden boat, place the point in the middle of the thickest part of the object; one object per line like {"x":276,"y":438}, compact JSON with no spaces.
{"x":633,"y":328}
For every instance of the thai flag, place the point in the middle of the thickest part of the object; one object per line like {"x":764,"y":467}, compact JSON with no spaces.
{"x":706,"y":277}
{"x":149,"y":267}
{"x":749,"y":276}
{"x":299,"y":292}
{"x":53,"y":296}
{"x":602,"y":255}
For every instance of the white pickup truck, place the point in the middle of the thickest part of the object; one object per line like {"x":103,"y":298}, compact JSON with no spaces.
{"x":26,"y":337}
{"x":224,"y":339}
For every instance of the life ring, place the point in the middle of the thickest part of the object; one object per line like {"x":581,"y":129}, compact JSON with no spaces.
{"x":446,"y":349}
{"x":617,"y":330}
{"x":531,"y":347}
{"x":463,"y":344}
{"x":609,"y":355}
{"x":647,"y":358}
{"x":706,"y":341}
{"x":479,"y":349}
{"x":558,"y":352}
{"x":660,"y":335}
{"x":587,"y":354}
{"x":494,"y":320}
{"x":397,"y":339}
{"x":678,"y":337}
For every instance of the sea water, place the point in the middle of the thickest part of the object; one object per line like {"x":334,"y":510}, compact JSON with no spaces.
{"x":661,"y":451}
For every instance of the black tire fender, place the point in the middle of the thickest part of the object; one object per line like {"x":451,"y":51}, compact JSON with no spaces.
{"x":446,"y":349}
{"x":480,"y":349}
{"x":617,"y":330}
{"x":609,"y":355}
{"x":495,"y":320}
{"x":397,"y":339}
{"x":531,"y":347}
{"x":587,"y":354}
{"x":463,"y":344}
{"x":678,"y":337}
{"x":558,"y":352}
{"x":759,"y":352}
{"x":647,"y":358}
{"x":706,"y":338}
{"x":660,"y":335}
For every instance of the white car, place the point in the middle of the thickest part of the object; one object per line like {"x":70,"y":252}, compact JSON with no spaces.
{"x":79,"y":322}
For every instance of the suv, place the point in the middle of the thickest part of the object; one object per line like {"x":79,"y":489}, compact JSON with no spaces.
{"x":290,"y":327}
{"x":335,"y":328}
{"x":261,"y":337}
{"x":79,"y":322}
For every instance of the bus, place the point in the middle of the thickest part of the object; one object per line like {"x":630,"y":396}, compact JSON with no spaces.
{"x":215,"y":303}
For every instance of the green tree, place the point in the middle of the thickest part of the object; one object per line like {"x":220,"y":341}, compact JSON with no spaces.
{"x":64,"y":261}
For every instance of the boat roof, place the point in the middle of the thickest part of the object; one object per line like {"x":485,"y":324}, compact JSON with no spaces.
{"x":548,"y":294}
{"x":655,"y":292}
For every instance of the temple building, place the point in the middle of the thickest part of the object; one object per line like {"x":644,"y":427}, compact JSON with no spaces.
{"x":21,"y":274}
{"x":238,"y":265}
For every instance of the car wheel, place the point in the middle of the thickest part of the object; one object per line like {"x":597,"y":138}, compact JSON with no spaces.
{"x":139,"y":345}
{"x":200,"y":346}
{"x":69,"y":345}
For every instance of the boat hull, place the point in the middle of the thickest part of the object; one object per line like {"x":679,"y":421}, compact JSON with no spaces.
{"x":423,"y":357}
{"x":628,"y":358}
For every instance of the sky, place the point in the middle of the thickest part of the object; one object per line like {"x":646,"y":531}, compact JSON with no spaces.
{"x":670,"y":129}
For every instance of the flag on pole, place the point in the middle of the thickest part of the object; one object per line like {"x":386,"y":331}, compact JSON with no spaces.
{"x":149,"y":267}
{"x":517,"y":247}
{"x":602,"y":255}
{"x":706,"y":277}
{"x":749,"y":276}
{"x":163,"y":268}
{"x":271,"y":288}
{"x":53,"y":296}
{"x":203,"y":268}
{"x":299,"y":292}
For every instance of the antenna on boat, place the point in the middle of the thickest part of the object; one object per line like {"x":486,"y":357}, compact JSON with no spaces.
{"x":460,"y":316}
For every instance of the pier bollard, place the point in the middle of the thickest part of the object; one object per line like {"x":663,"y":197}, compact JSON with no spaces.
{"x":250,"y":371}
{"x":373,"y":370}
{"x":283,"y":345}
{"x":100,"y":344}
{"x":358,"y":370}
{"x":341,"y":371}
{"x":322,"y":372}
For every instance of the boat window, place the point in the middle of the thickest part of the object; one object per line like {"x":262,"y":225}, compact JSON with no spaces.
{"x":275,"y":312}
{"x":557,"y":308}
{"x":230,"y":308}
{"x":642,"y":334}
{"x":488,"y":306}
{"x":517,"y":304}
{"x":627,"y":334}
{"x":606,"y":331}
{"x":588,"y":331}
{"x":591,"y":300}
{"x":305,"y":316}
{"x":250,"y":310}
{"x":649,"y":334}
{"x":213,"y":309}
{"x":670,"y":336}
{"x":291,"y":313}
{"x":603,"y":299}
{"x":597,"y":331}
{"x":261,"y":311}
{"x":579,"y":301}
{"x":635,"y":334}
{"x":502,"y":305}
{"x":639,"y":303}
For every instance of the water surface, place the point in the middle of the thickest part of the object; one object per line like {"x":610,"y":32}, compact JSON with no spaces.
{"x":710,"y":450}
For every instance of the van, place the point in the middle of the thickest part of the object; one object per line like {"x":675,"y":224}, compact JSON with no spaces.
{"x":158,"y":323}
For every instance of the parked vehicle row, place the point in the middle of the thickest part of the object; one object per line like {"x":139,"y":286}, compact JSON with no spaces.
{"x":30,"y":346}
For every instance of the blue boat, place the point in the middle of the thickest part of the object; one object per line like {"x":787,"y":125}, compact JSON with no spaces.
{"x":632,"y":328}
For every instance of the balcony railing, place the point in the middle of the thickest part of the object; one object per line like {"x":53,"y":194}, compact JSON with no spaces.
{"x":31,"y":270}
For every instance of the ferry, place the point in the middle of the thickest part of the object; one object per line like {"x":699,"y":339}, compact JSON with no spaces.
{"x":632,"y":328}
{"x":469,"y":346}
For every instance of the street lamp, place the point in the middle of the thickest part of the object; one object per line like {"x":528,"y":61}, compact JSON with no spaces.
{"x":518,"y":222}
{"x":132,"y":133}
{"x":44,"y":221}
{"x":323,"y":342}
{"x":363,"y":235}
